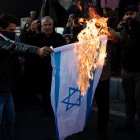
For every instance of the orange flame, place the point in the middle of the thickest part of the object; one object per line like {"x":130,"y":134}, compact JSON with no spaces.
{"x":89,"y":47}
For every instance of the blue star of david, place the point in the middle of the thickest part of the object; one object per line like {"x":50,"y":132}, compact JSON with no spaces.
{"x":76,"y":102}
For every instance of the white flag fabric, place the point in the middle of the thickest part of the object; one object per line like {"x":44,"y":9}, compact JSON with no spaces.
{"x":71,"y":109}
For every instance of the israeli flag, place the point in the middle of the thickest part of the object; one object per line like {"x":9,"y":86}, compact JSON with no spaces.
{"x":71,"y":109}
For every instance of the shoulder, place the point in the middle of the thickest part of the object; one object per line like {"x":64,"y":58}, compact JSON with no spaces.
{"x":59,"y":39}
{"x":2,"y":37}
{"x":57,"y":34}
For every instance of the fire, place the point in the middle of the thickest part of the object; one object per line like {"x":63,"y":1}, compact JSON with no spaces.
{"x":89,"y":48}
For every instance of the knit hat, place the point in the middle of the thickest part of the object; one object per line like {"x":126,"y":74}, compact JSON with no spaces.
{"x":131,"y":8}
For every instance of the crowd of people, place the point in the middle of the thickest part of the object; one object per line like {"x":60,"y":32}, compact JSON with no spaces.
{"x":33,"y":61}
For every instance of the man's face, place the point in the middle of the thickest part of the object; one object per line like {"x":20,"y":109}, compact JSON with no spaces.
{"x":47,"y":26}
{"x":9,"y":31}
{"x":11,"y":27}
{"x":130,"y":15}
{"x":32,"y":14}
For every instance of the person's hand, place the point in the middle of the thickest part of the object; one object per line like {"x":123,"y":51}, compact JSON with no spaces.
{"x":113,"y":36}
{"x":69,"y":23}
{"x":120,"y":24}
{"x":44,"y":51}
{"x":34,"y":25}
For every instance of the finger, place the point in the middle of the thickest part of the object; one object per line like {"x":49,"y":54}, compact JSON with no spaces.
{"x":46,"y":54}
{"x":48,"y":49}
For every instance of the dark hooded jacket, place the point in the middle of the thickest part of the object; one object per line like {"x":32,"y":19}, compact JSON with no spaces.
{"x":130,"y":46}
{"x":9,"y":50}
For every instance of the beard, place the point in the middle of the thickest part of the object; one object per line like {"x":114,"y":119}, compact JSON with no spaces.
{"x":131,"y":23}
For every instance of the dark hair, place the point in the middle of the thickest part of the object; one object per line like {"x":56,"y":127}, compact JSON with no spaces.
{"x":5,"y":19}
{"x":131,"y":7}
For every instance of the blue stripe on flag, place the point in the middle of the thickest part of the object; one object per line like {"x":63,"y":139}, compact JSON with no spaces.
{"x":89,"y":98}
{"x":57,"y":58}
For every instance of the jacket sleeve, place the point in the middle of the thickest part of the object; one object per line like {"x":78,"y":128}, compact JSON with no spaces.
{"x":11,"y":46}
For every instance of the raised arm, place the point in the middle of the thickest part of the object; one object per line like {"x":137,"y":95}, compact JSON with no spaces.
{"x":20,"y":48}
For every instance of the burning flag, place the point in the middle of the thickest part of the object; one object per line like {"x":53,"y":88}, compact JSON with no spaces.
{"x":88,"y":53}
{"x":76,"y":71}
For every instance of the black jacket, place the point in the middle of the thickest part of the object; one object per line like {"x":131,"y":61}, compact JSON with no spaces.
{"x":38,"y":70}
{"x":44,"y":64}
{"x":130,"y":47}
{"x":9,"y":50}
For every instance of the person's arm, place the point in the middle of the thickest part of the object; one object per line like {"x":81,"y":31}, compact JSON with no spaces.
{"x":20,"y":48}
{"x":114,"y":36}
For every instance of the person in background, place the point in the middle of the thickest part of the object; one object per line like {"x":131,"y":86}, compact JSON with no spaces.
{"x":75,"y":9}
{"x":30,"y":19}
{"x":102,"y":97}
{"x":129,"y":40}
{"x":29,"y":64}
{"x":139,"y":10}
{"x":125,"y":3}
{"x":26,"y":36}
{"x":33,"y":15}
{"x":68,"y":38}
{"x":110,"y":10}
{"x":47,"y":37}
{"x":69,"y":25}
{"x":9,"y":50}
{"x":73,"y":27}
